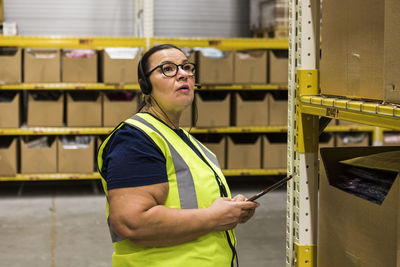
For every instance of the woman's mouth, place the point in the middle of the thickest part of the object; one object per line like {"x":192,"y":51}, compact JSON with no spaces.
{"x":184,"y":87}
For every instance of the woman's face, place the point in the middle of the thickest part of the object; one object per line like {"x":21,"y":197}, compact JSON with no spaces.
{"x":173,"y":93}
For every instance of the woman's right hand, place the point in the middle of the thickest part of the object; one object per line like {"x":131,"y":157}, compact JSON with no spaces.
{"x":226,"y":213}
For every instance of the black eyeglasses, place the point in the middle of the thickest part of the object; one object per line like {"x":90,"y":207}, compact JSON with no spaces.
{"x":171,"y":69}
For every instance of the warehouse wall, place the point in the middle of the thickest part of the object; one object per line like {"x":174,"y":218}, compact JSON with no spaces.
{"x":177,"y":18}
{"x":205,"y":18}
{"x":71,"y":17}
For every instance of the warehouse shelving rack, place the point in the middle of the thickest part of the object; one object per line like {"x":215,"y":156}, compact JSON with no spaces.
{"x":306,"y":109}
{"x":103,"y":42}
{"x":96,"y":175}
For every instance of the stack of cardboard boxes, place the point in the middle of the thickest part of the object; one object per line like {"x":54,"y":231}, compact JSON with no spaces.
{"x":80,"y":108}
{"x":269,"y":18}
{"x":360,"y":59}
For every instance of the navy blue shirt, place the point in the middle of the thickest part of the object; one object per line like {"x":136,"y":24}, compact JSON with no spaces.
{"x":132,"y":159}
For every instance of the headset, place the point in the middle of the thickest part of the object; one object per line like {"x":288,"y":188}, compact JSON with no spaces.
{"x":145,"y":84}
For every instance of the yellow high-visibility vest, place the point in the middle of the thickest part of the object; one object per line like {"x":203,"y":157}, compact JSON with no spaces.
{"x":194,"y":183}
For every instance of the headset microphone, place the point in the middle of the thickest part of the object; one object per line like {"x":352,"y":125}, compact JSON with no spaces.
{"x":198,"y":85}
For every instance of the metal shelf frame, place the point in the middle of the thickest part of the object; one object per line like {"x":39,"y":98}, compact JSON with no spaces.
{"x":136,"y":87}
{"x":224,"y":43}
{"x":306,"y":106}
{"x":62,"y":42}
{"x":106,"y":130}
{"x":209,"y":130}
{"x":96,"y":175}
{"x":370,"y":113}
{"x":69,"y":86}
{"x":303,"y":132}
{"x":93,"y":42}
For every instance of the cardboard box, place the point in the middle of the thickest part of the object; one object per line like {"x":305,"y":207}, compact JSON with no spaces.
{"x":278,"y":108}
{"x":9,"y":109}
{"x":42,"y":66}
{"x":217,"y":144}
{"x":79,"y":66}
{"x":8,"y":156}
{"x":353,"y":231}
{"x":250,"y":67}
{"x":76,"y":158}
{"x":120,"y":64}
{"x":391,"y":139}
{"x":84,"y":109}
{"x":278,"y":66}
{"x":261,"y":14}
{"x":10,"y":65}
{"x":251,"y":109}
{"x":352,"y":139}
{"x":213,"y":109}
{"x":39,"y":159}
{"x":244,"y":152}
{"x":275,"y":151}
{"x":118,"y":106}
{"x":45,"y":109}
{"x":216,"y":70}
{"x":360,"y":56}
{"x":10,"y":28}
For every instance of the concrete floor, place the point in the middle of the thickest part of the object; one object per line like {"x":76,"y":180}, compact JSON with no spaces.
{"x":62,"y":224}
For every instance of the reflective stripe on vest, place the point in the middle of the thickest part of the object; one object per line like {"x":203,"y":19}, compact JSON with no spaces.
{"x":187,"y":193}
{"x":208,"y":154}
{"x":114,"y":236}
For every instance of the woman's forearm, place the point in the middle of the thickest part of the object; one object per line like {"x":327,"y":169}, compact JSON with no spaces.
{"x":162,"y":226}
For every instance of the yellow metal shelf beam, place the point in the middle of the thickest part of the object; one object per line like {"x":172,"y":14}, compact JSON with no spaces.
{"x":56,"y":131}
{"x":350,"y":128}
{"x":225,"y":43}
{"x":370,"y":113}
{"x":211,"y":130}
{"x":254,"y":172}
{"x":234,"y":87}
{"x":51,"y":177}
{"x":71,"y":42}
{"x":237,"y":129}
{"x":102,"y":86}
{"x":69,"y":86}
{"x":95,"y":176}
{"x":93,"y":42}
{"x":107,"y":130}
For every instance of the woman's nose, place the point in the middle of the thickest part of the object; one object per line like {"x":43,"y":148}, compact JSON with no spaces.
{"x":182,"y":73}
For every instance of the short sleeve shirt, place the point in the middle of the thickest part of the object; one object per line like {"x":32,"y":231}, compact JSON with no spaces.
{"x":132,"y":159}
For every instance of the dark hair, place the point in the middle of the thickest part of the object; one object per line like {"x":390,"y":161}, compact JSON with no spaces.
{"x":144,"y":67}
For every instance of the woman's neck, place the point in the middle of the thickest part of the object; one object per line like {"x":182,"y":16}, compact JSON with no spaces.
{"x":169,"y":118}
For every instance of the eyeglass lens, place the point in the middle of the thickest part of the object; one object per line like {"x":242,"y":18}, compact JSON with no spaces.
{"x":171,"y":69}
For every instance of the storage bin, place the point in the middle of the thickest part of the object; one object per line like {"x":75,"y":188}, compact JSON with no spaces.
{"x":38,"y":154}
{"x":42,"y":65}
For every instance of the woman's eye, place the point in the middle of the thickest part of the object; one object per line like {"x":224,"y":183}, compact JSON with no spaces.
{"x":168,"y":68}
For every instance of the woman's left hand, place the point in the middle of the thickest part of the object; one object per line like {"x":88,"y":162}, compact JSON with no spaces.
{"x":246,"y":213}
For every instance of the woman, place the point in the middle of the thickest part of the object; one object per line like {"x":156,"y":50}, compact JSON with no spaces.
{"x":168,"y":200}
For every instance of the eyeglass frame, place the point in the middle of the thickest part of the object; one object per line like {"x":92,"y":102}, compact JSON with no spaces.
{"x":177,"y":68}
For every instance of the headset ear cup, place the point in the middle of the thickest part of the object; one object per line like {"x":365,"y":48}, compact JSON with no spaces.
{"x":144,"y":83}
{"x":145,"y":87}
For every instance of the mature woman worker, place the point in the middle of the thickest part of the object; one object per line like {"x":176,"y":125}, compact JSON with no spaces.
{"x":168,"y":203}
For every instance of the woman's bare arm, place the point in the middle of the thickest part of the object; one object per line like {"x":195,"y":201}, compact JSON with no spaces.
{"x":138,"y":213}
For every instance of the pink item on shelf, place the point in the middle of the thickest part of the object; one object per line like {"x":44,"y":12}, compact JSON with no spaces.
{"x":80,"y":53}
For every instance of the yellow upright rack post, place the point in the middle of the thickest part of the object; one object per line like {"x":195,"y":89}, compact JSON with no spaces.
{"x":301,"y":236}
